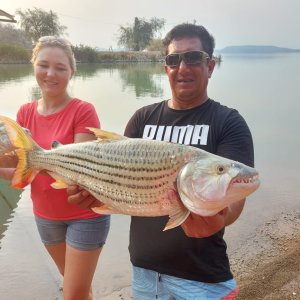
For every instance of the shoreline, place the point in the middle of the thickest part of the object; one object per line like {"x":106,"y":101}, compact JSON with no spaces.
{"x":267,"y":265}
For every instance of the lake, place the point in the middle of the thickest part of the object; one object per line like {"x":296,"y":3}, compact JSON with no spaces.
{"x":263,"y":88}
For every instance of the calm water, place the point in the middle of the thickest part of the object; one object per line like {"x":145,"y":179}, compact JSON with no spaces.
{"x":265,"y":90}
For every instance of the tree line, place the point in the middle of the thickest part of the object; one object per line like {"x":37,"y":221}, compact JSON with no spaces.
{"x":140,"y":35}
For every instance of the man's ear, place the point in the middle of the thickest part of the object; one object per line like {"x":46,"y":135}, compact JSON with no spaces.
{"x":166,"y":69}
{"x":211,"y":67}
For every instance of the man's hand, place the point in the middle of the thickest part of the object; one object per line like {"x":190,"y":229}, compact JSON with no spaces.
{"x":82,"y":198}
{"x":200,"y":227}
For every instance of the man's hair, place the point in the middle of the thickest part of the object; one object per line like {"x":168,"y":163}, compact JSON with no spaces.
{"x":190,"y":30}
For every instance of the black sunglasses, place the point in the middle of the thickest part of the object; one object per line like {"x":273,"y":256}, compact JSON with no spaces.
{"x":189,"y":57}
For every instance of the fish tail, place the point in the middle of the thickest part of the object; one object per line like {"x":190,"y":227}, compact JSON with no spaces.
{"x":23,"y":144}
{"x":23,"y":174}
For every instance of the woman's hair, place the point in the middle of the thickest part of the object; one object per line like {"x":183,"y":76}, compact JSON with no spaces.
{"x":55,"y":42}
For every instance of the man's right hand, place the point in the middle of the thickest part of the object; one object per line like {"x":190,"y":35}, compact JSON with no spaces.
{"x":82,"y":198}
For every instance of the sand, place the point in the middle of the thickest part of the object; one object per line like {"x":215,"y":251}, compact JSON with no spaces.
{"x":267,"y":266}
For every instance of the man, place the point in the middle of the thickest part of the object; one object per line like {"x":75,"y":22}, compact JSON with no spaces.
{"x":188,"y":262}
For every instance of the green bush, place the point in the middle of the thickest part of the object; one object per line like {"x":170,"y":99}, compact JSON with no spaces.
{"x":13,"y":54}
{"x":85,"y":54}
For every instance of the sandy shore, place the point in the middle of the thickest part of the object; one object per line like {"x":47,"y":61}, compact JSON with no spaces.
{"x":267,"y":266}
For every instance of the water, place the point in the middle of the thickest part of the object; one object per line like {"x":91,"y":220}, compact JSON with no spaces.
{"x":8,"y":202}
{"x":263,"y":88}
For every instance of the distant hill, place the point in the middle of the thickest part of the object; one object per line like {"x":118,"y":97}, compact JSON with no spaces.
{"x":257,"y":49}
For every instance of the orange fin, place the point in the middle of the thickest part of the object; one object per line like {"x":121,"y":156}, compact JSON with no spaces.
{"x":23,"y":143}
{"x":106,"y":135}
{"x":23,"y":175}
{"x":104,"y":209}
{"x":17,"y":135}
{"x":177,"y":219}
{"x":59,"y":182}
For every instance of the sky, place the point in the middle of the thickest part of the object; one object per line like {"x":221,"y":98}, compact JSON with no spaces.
{"x":96,"y":23}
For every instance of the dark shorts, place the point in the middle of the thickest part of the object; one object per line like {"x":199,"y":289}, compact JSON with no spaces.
{"x":82,"y":234}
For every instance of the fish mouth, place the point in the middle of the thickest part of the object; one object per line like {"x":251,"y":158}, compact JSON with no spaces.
{"x":250,"y":181}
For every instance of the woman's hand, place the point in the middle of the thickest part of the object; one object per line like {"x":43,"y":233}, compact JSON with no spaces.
{"x":82,"y":198}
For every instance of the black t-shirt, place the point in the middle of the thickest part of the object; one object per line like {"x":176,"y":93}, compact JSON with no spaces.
{"x":211,"y":127}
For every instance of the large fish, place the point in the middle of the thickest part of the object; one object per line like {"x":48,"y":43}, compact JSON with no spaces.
{"x":137,"y":177}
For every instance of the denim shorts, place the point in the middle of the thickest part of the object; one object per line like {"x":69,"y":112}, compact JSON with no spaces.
{"x":150,"y":285}
{"x":82,"y":234}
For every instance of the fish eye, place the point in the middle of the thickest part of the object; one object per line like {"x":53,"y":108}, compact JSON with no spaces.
{"x":220,"y":169}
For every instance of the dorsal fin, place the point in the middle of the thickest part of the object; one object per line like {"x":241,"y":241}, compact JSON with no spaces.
{"x":106,"y":135}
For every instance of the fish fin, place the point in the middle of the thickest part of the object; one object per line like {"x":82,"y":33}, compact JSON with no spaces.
{"x":177,"y":219}
{"x":106,"y":135}
{"x":104,"y":209}
{"x":56,"y":144}
{"x":18,"y":136}
{"x":59,"y":182}
{"x":23,"y":174}
{"x":23,"y":143}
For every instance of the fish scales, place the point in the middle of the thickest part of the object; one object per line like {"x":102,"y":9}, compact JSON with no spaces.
{"x":119,"y":172}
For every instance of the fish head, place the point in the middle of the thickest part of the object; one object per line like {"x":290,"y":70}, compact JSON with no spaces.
{"x":206,"y":186}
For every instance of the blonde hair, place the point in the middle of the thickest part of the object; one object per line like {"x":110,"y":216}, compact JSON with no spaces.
{"x":54,"y":41}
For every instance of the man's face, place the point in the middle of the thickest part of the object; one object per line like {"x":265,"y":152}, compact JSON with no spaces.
{"x":188,"y":82}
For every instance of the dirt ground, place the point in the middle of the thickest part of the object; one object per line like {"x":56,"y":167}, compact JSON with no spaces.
{"x":268,"y":265}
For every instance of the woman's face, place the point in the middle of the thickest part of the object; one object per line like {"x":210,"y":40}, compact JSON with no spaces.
{"x":52,"y":72}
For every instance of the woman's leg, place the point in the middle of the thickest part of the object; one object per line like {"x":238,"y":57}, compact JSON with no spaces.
{"x":76,"y":258}
{"x":58,"y":253}
{"x":80,"y":266}
{"x":53,"y":235}
{"x":85,"y":239}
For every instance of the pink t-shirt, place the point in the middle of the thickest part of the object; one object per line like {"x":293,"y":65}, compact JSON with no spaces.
{"x":50,"y":203}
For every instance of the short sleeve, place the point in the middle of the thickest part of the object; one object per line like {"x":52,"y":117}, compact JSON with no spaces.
{"x":20,"y":115}
{"x":133,"y":126}
{"x":236,"y":140}
{"x":85,"y":116}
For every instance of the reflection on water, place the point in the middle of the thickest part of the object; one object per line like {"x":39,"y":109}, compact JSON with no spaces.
{"x":9,"y":72}
{"x":144,"y":78}
{"x":8,"y":202}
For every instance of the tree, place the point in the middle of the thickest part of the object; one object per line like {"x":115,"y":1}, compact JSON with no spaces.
{"x":13,"y":36}
{"x":37,"y":22}
{"x":155,"y":45}
{"x":138,"y":36}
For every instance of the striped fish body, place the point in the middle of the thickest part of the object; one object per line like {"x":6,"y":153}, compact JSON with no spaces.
{"x":132,"y":176}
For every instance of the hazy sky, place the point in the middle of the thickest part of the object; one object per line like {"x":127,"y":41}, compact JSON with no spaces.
{"x":231,"y":22}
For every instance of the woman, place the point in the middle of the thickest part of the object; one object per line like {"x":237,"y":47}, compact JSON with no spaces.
{"x":73,"y":236}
